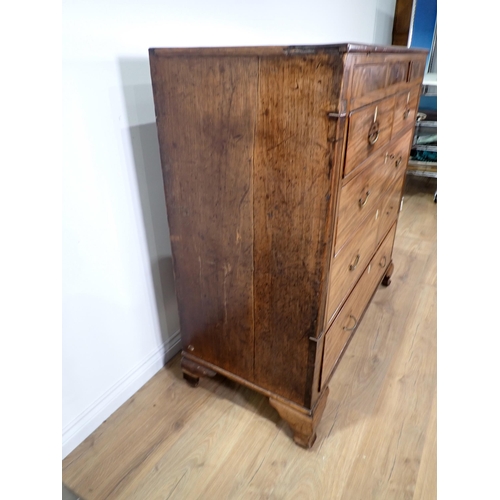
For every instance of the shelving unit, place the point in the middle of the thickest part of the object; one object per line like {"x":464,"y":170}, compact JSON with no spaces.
{"x":423,"y":157}
{"x":415,"y":26}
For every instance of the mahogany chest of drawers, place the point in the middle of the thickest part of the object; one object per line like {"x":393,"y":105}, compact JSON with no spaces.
{"x":283,"y":170}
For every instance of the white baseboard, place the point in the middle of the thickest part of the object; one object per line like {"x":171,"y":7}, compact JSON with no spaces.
{"x":91,"y":418}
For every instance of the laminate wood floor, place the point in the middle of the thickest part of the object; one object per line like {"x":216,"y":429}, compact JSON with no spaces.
{"x":376,"y":440}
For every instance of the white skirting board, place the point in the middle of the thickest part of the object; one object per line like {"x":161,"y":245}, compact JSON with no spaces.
{"x":90,"y":419}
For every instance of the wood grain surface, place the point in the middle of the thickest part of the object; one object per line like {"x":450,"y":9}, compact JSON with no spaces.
{"x":376,"y":439}
{"x":206,"y":110}
{"x":293,"y":194}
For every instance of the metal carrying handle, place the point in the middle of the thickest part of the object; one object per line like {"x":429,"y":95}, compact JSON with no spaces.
{"x":407,"y":109}
{"x":352,"y":328}
{"x":373,"y":133}
{"x":384,"y":259}
{"x":355,"y":264}
{"x":363,"y":203}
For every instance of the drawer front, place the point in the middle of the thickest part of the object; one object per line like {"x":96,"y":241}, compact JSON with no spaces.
{"x":375,"y":73}
{"x":338,"y":335}
{"x":396,"y":159}
{"x":375,"y":76}
{"x":417,"y":68}
{"x":370,"y":129}
{"x":347,"y":266}
{"x":397,"y":72}
{"x":358,"y":197}
{"x":405,"y":109}
{"x":390,"y":208}
{"x":368,"y":77}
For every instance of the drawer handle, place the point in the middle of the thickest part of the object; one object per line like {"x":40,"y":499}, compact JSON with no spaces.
{"x":353,"y":327}
{"x":406,"y":113}
{"x":361,"y":202}
{"x":373,"y":133}
{"x":398,"y":161}
{"x":355,"y":264}
{"x":383,"y":261}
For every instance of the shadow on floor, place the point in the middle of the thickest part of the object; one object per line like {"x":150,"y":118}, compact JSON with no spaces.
{"x":67,"y":494}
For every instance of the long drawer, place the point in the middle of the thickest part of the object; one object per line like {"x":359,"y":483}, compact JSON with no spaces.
{"x":347,"y":320}
{"x":358,"y":198}
{"x":347,"y":266}
{"x":359,"y":195}
{"x":388,"y":213}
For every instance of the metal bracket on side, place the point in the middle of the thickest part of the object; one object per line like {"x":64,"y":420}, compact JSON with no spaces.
{"x":337,"y":115}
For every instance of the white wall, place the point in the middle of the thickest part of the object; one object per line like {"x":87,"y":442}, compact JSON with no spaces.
{"x":120,"y":319}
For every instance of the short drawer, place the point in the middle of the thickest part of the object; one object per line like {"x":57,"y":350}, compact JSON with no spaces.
{"x":358,"y":197}
{"x":347,"y":266}
{"x":375,"y":76}
{"x":417,"y":68}
{"x":338,"y":335}
{"x":390,"y":208}
{"x":367,"y":77}
{"x":405,"y":109}
{"x":369,"y":130}
{"x":397,"y":72}
{"x":396,"y":159}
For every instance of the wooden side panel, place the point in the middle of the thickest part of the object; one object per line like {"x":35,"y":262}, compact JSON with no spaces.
{"x":293,"y":186}
{"x":206,"y":119}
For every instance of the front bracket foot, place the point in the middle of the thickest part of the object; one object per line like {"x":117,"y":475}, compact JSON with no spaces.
{"x":387,"y":278}
{"x":302,"y":423}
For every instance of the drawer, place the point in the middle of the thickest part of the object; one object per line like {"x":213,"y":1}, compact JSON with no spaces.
{"x":390,"y":208}
{"x":368,"y":77}
{"x":397,"y":72}
{"x":396,"y":159}
{"x":375,"y":76}
{"x":417,"y":68}
{"x":338,"y":335}
{"x":347,"y":266}
{"x":369,"y":130}
{"x":359,"y":197}
{"x":376,"y":73}
{"x":405,"y":109}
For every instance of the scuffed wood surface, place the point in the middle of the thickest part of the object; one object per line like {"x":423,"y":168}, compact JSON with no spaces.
{"x":206,"y":128}
{"x":293,"y":193}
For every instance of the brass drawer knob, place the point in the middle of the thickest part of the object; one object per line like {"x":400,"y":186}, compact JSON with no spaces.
{"x":352,"y":327}
{"x":373,"y":133}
